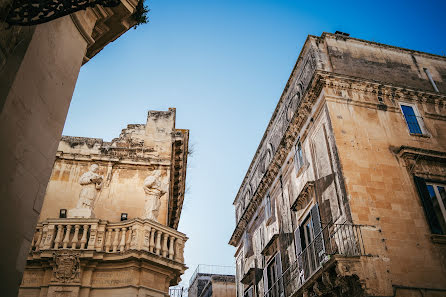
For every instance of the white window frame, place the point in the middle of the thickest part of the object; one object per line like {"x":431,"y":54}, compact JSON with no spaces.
{"x":268,"y":207}
{"x":420,"y":119}
{"x":299,"y":162}
{"x":438,"y":196}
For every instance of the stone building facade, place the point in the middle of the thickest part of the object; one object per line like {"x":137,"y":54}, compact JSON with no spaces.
{"x":212,"y":281}
{"x":39,"y":66}
{"x":345,"y":195}
{"x":109,"y":220}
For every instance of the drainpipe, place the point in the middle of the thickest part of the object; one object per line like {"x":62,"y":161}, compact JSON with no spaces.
{"x":431,"y":79}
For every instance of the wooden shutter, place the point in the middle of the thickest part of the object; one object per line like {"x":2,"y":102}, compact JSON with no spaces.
{"x":279,"y":273}
{"x":429,"y":211}
{"x":318,"y":236}
{"x":265,"y":281}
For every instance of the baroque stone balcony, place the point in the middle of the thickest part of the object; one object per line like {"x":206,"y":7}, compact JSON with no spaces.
{"x":93,"y":257}
{"x":95,"y":235}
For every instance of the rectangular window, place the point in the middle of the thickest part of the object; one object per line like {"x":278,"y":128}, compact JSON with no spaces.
{"x":437,"y":195}
{"x":272,"y":277}
{"x":300,"y":161}
{"x":268,"y":207}
{"x":248,"y":292}
{"x":413,"y":120}
{"x":309,"y":244}
{"x":433,"y":198}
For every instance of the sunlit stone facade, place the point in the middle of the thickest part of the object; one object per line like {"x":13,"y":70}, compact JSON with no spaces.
{"x":346,"y":195}
{"x":108,"y":225}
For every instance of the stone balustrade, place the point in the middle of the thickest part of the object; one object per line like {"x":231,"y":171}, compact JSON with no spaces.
{"x":102,"y":236}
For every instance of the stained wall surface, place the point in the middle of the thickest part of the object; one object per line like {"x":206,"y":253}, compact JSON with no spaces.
{"x":124,"y":163}
{"x":345,"y":157}
{"x":39,"y":66}
{"x":31,"y":122}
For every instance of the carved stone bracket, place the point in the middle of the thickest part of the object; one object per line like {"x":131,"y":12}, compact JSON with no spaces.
{"x":302,"y":198}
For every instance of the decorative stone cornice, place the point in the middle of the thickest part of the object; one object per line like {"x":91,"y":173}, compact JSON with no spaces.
{"x":180,"y":151}
{"x":284,"y":146}
{"x":299,"y":203}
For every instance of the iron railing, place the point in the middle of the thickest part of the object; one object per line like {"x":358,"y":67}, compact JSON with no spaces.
{"x":177,"y":292}
{"x":334,"y":239}
{"x":210,"y":270}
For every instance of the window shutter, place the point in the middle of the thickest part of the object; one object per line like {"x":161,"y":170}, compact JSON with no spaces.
{"x":279,"y":273}
{"x":432,"y":219}
{"x":318,"y":236}
{"x":265,"y":281}
{"x":298,"y":246}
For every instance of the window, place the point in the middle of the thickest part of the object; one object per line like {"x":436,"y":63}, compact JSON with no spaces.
{"x":272,"y":278}
{"x":300,"y":161}
{"x":309,"y":244}
{"x":437,"y":194}
{"x":413,"y":119}
{"x":268,"y":207}
{"x":248,"y":292}
{"x":433,"y":198}
{"x":247,"y":244}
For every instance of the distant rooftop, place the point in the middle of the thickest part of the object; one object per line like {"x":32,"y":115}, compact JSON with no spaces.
{"x":210,"y":270}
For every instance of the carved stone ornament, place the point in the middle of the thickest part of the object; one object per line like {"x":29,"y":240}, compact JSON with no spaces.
{"x":153,"y":193}
{"x":91,"y":184}
{"x":278,"y":125}
{"x":66,"y":267}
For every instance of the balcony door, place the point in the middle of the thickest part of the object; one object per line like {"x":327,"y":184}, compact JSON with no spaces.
{"x":309,"y":244}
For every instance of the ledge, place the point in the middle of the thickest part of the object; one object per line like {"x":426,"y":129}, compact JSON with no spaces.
{"x":267,"y":249}
{"x":437,"y":238}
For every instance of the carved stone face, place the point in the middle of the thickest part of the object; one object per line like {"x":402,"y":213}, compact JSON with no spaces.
{"x":94,"y":168}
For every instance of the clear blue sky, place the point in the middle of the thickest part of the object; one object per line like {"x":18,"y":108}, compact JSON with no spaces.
{"x":223,"y":65}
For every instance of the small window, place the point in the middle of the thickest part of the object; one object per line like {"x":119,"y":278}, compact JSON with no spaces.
{"x":272,"y":278}
{"x":433,"y":198}
{"x":268,"y":207}
{"x":413,"y":120}
{"x":248,"y":292}
{"x":300,"y":161}
{"x":437,"y":195}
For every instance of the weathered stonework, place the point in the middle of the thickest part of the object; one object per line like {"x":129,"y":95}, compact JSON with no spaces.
{"x":329,"y":201}
{"x":39,"y":66}
{"x":98,"y":255}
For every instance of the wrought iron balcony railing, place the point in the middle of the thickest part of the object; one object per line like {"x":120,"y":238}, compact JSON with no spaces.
{"x":334,"y":239}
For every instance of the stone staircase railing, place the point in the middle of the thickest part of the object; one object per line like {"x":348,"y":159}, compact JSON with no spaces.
{"x":103,"y":236}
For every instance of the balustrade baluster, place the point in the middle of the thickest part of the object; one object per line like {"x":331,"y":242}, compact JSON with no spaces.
{"x":66,"y":239}
{"x":75,"y":237}
{"x":158,"y":242}
{"x":152,"y":241}
{"x":108,"y":240}
{"x":129,"y":238}
{"x":58,"y":236}
{"x":39,"y":239}
{"x":33,"y":241}
{"x":122,"y":243}
{"x":44,"y":234}
{"x":179,"y":250}
{"x":84,"y":236}
{"x":171,"y":250}
{"x":115,"y":240}
{"x":164,"y":246}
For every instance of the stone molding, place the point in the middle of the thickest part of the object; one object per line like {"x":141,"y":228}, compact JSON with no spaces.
{"x":320,"y":80}
{"x":100,"y":239}
{"x":283,"y":115}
